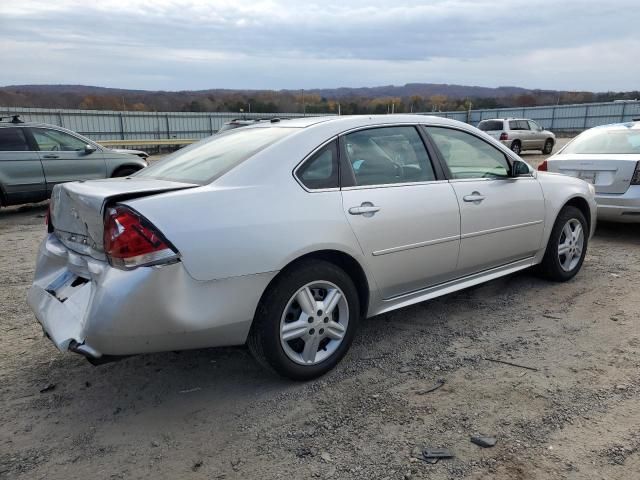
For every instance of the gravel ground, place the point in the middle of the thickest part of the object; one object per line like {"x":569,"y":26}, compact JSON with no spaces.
{"x":214,"y":414}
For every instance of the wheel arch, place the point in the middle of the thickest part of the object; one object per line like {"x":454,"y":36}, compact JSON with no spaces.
{"x":340,"y":259}
{"x":582,"y":205}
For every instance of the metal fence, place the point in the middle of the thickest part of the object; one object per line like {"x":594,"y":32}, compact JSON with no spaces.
{"x":113,"y":125}
{"x":557,"y":118}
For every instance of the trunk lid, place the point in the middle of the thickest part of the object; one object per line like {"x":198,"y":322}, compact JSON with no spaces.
{"x":609,"y":174}
{"x":77,"y":208}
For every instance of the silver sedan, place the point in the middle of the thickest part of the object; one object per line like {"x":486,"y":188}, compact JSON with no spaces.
{"x":285,"y":234}
{"x":609,"y":158}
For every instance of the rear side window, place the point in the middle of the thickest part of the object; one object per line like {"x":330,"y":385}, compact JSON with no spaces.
{"x":321,"y":170}
{"x":382,"y":156}
{"x":490,"y":125}
{"x":203,"y":162}
{"x":518,"y":125}
{"x":13,"y":140}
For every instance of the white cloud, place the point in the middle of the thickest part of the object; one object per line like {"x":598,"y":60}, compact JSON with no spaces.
{"x":173,"y":44}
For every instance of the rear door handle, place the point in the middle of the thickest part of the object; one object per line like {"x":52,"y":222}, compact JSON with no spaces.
{"x":475,"y":197}
{"x":366,"y":209}
{"x":51,"y":155}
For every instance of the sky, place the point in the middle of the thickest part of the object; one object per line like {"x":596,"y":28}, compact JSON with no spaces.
{"x":283,"y":44}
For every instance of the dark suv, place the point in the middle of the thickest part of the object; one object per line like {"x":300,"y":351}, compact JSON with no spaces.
{"x":36,"y":156}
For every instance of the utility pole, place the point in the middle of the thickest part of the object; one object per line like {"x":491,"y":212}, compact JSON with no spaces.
{"x":304,"y":107}
{"x":339,"y":113}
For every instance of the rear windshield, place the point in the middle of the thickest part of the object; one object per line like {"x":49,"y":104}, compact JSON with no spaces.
{"x":208,"y":159}
{"x":490,"y":125}
{"x":606,"y":141}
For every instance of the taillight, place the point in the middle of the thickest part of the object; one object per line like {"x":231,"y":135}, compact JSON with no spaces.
{"x":543,"y":167}
{"x":635,"y":180}
{"x":504,"y":136}
{"x":131,"y":241}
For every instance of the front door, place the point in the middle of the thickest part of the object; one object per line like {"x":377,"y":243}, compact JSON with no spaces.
{"x":502,"y":218}
{"x":537,"y":137}
{"x":64,"y":158}
{"x":406,"y":220}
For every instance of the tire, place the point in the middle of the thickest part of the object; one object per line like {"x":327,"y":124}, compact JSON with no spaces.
{"x":279,"y":307}
{"x":548,"y":147}
{"x":558,"y":267}
{"x":516,"y":147}
{"x":124,"y":172}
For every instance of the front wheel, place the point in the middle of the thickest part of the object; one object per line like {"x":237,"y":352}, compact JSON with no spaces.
{"x":567,"y":245}
{"x":306,"y":321}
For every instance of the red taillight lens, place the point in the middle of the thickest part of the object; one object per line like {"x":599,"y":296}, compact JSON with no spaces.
{"x":504,"y":136}
{"x":132,"y":241}
{"x":635,"y":180}
{"x":543,"y":166}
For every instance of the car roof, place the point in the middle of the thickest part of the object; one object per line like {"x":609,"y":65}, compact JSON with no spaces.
{"x":30,"y":124}
{"x":346,"y":122}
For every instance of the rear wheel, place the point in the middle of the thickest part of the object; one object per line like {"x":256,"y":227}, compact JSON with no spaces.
{"x":306,"y":321}
{"x":516,"y":147}
{"x":125,"y":171}
{"x":548,"y":147}
{"x":567,"y":246}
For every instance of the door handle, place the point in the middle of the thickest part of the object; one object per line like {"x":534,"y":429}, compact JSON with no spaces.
{"x":475,"y":197}
{"x":366,"y":209}
{"x":51,"y":155}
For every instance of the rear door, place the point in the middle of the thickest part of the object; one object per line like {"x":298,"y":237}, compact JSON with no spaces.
{"x":64,"y":158}
{"x":21,"y":175}
{"x":537,"y":137}
{"x":502,"y":218}
{"x":521,"y":130}
{"x":405,"y":217}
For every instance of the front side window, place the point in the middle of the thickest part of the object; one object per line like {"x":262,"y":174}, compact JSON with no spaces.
{"x":13,"y":140}
{"x":203,"y":162}
{"x":321,"y":170}
{"x":56,"y":141}
{"x":534,"y":126}
{"x":388,"y":155}
{"x":467,"y":156}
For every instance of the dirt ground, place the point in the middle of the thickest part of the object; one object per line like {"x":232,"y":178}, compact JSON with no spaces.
{"x":214,"y":414}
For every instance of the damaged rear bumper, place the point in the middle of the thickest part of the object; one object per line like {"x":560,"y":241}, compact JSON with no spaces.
{"x":87,"y":306}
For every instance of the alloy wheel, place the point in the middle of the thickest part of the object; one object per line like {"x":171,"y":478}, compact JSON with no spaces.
{"x":570,"y":245}
{"x":314,"y":323}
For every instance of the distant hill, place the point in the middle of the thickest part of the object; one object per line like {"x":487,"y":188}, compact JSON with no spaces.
{"x":411,"y":97}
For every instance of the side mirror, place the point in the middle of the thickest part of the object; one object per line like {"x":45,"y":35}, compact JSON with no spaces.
{"x":89,"y":149}
{"x":519,"y":169}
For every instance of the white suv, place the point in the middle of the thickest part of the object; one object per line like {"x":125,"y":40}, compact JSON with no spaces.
{"x":519,"y":134}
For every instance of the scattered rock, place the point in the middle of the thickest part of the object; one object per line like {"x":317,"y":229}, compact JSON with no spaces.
{"x":197,"y":464}
{"x":48,"y":388}
{"x":483,"y":441}
{"x":326,"y":457}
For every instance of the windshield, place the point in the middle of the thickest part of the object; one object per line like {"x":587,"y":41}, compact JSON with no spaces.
{"x":490,"y":125}
{"x":208,"y":159}
{"x":606,"y":141}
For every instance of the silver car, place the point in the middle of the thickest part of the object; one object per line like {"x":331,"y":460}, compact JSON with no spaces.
{"x":34,"y":157}
{"x":609,"y":158}
{"x":519,"y":134}
{"x":284,"y":235}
